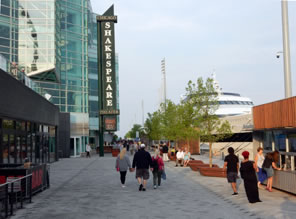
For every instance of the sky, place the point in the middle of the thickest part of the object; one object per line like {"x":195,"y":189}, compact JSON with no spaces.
{"x":236,"y":39}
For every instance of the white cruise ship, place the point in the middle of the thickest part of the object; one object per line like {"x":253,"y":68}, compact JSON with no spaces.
{"x":231,"y":104}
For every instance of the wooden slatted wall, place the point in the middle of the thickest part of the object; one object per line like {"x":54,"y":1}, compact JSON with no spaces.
{"x":277,"y":114}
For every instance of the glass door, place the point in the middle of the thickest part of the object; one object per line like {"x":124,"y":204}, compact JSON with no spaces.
{"x":72,"y":146}
{"x":75,"y":146}
{"x":78,"y":147}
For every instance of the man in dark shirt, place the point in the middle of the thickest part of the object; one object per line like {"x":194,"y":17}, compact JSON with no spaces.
{"x":142,"y":161}
{"x":232,"y":163}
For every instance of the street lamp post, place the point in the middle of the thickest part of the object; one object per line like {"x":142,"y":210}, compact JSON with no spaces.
{"x":286,"y":49}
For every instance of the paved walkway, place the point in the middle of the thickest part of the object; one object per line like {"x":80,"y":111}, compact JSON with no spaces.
{"x":90,"y":188}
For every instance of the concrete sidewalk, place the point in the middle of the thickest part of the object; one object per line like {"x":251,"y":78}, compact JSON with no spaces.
{"x":90,"y":188}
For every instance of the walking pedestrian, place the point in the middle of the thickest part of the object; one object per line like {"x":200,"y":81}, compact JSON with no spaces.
{"x":142,"y":161}
{"x":248,"y":174}
{"x":158,"y":167}
{"x":268,"y":165}
{"x":122,"y":164}
{"x":259,"y":159}
{"x":231,"y":162}
{"x":132,"y":148}
{"x":88,"y":150}
{"x":165,"y":151}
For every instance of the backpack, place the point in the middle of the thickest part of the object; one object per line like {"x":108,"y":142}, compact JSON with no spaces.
{"x":155,"y":164}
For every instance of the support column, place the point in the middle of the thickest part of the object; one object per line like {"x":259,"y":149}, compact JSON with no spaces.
{"x":286,"y":49}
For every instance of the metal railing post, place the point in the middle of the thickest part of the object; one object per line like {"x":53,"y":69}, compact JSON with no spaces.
{"x":21,"y":192}
{"x":30,"y":186}
{"x":11,"y":200}
{"x":6,"y":200}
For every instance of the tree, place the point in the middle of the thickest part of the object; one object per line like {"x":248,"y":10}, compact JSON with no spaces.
{"x":187,"y":123}
{"x":169,"y":120}
{"x":132,"y":133}
{"x":206,"y":99}
{"x":152,"y":126}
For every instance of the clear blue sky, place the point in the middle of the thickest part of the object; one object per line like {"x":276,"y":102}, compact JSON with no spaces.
{"x":237,"y":38}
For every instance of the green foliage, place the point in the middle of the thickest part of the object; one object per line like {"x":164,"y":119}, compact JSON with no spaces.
{"x":133,"y":131}
{"x":169,"y":120}
{"x":192,"y":118}
{"x":152,"y":126}
{"x":211,"y":128}
{"x":114,"y":138}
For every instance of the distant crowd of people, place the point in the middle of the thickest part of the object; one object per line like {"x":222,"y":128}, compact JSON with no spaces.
{"x":131,"y":146}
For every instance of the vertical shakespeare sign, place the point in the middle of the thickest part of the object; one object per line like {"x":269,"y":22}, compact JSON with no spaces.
{"x":106,"y":70}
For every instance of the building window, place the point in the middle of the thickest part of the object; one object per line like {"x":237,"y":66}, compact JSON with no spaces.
{"x":7,"y":124}
{"x":292,"y":142}
{"x":280,"y":140}
{"x":267,"y":140}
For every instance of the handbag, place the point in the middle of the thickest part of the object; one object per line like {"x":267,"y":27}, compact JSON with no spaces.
{"x":163,"y":175}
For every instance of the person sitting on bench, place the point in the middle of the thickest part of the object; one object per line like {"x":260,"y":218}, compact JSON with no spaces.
{"x":180,"y":157}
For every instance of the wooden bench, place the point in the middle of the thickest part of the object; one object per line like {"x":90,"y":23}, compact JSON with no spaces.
{"x":214,"y":172}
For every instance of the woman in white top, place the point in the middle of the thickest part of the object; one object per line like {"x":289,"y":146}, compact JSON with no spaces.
{"x":259,"y":159}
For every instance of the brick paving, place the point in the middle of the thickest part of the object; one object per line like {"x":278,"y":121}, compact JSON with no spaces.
{"x":90,"y":188}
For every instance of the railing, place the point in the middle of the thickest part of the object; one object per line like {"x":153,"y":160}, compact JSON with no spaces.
{"x":13,"y":188}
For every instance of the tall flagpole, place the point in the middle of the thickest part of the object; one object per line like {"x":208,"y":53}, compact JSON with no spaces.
{"x":164,"y":80}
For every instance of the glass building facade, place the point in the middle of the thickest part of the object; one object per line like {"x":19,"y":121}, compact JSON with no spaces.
{"x":54,"y":42}
{"x":93,"y":78}
{"x":9,"y":30}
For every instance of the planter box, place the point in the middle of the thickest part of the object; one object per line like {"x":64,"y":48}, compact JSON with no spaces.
{"x":107,"y":149}
{"x":214,"y":171}
{"x":115,"y":152}
{"x":195,"y":161}
{"x":197,"y":166}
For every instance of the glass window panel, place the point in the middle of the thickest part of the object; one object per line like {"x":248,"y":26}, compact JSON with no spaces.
{"x":38,"y":148}
{"x":12,"y":149}
{"x":23,"y":149}
{"x":280,"y":140}
{"x":28,"y":150}
{"x":5,"y":10}
{"x":7,"y":124}
{"x":4,"y":49}
{"x":4,"y":42}
{"x":23,"y":126}
{"x":55,"y":100}
{"x":267,"y":140}
{"x":63,"y":108}
{"x":33,"y":148}
{"x":5,"y":148}
{"x":28,"y":126}
{"x":18,"y":149}
{"x":292,"y":142}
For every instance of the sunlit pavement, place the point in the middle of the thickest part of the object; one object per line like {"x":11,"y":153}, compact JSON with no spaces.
{"x":90,"y":188}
